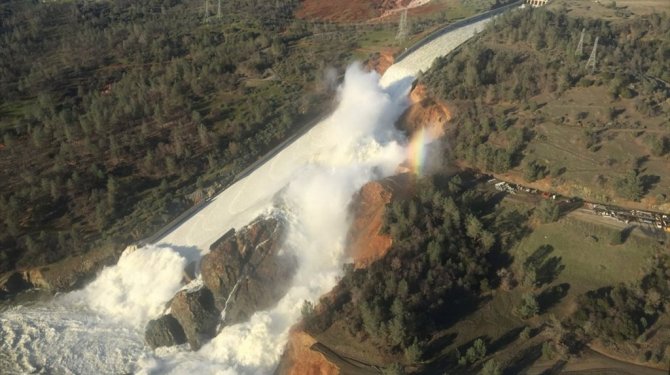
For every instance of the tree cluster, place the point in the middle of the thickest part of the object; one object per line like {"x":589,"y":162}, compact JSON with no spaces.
{"x":622,"y":313}
{"x":445,"y":253}
{"x":113,"y":112}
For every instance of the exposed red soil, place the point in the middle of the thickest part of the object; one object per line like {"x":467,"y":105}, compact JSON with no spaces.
{"x":348,"y":10}
{"x":365,"y":242}
{"x":425,"y":112}
{"x":300,"y":359}
{"x":381,"y":61}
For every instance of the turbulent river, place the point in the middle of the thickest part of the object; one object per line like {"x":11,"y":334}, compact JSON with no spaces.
{"x":100,"y":329}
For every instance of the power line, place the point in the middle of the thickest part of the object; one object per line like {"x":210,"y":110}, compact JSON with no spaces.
{"x":402,"y":27}
{"x":580,"y":47}
{"x":592,"y":59}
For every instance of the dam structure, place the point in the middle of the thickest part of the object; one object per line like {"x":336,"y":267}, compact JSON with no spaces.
{"x":309,"y":183}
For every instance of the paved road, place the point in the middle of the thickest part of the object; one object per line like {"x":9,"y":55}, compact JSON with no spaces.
{"x":592,"y":362}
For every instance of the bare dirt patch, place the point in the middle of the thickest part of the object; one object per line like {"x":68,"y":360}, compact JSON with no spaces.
{"x":366,"y":242}
{"x":300,"y":359}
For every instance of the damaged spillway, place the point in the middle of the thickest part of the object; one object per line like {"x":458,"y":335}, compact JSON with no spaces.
{"x":248,"y":261}
{"x":259,"y":274}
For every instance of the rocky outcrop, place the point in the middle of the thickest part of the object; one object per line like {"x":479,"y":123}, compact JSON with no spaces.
{"x":164,"y":331}
{"x":244,"y":272}
{"x":62,"y":276}
{"x":12,"y":283}
{"x":196,"y":314}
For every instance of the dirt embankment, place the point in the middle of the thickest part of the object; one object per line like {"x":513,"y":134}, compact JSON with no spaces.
{"x":381,"y":61}
{"x":425,"y":112}
{"x":366,"y":243}
{"x":300,"y":359}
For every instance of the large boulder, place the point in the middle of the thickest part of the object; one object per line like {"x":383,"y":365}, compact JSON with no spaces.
{"x":264,"y":283}
{"x":246,"y":271}
{"x":196,"y":313}
{"x":164,"y":331}
{"x":12,"y":283}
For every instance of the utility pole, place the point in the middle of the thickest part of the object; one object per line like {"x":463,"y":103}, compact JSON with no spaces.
{"x":402,"y":27}
{"x":206,"y":10}
{"x":580,"y":47}
{"x":218,"y":11}
{"x":592,"y":60}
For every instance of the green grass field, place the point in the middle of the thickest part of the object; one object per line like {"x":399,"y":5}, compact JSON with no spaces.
{"x":620,"y":146}
{"x":585,"y":251}
{"x":586,"y":261}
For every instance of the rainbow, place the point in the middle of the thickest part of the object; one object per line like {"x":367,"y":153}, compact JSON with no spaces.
{"x":417,"y":150}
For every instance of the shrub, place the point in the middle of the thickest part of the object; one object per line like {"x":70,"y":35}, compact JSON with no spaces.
{"x":529,"y":306}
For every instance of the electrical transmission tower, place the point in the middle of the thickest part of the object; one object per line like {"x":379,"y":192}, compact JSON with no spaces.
{"x":402,"y":27}
{"x":580,"y":47}
{"x":592,"y":60}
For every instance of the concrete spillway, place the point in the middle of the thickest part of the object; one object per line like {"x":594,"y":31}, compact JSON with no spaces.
{"x":238,"y":204}
{"x":422,"y":59}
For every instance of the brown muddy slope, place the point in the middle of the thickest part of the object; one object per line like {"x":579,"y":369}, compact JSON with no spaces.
{"x":365,"y":242}
{"x":300,"y":359}
{"x":424,"y":112}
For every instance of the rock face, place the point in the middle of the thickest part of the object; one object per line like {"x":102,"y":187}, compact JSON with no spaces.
{"x":244,"y":272}
{"x":164,"y":331}
{"x":196,"y":314}
{"x":11,"y":283}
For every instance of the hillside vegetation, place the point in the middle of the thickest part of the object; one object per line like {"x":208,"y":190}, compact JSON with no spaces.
{"x":526,"y":102}
{"x":113,"y":113}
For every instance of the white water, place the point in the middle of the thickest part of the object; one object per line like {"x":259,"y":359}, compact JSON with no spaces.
{"x":422,"y":59}
{"x":99,"y":330}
